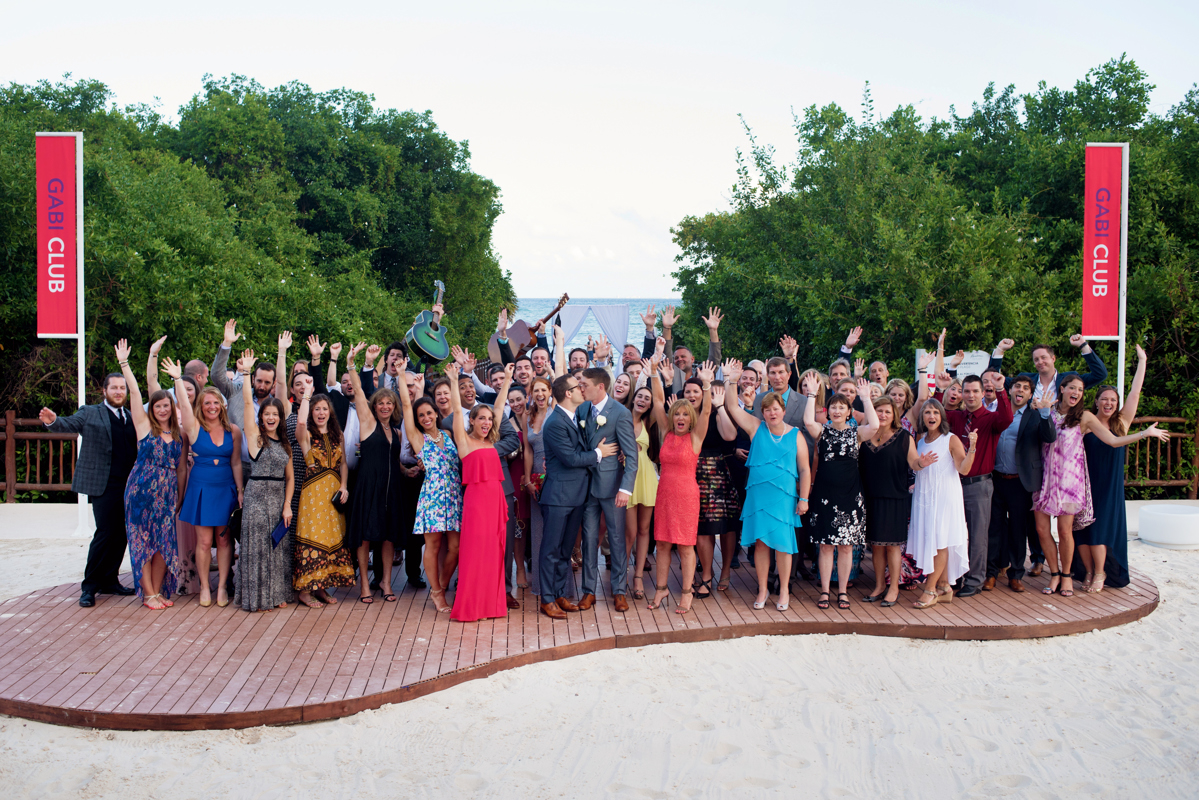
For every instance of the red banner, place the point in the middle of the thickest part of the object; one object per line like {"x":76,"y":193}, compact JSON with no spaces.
{"x":56,"y":228}
{"x":1101,"y":242}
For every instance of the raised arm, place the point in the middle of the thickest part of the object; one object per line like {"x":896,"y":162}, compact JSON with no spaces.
{"x":813,"y":427}
{"x":152,"y":367}
{"x":245,"y":365}
{"x":913,"y":413}
{"x":706,"y":374}
{"x":501,"y":397}
{"x":1129,"y":412}
{"x":302,"y":434}
{"x":713,"y":321}
{"x":281,"y":387}
{"x":867,"y":430}
{"x":658,"y":410}
{"x":220,"y":363}
{"x":963,"y":459}
{"x":1098,"y":370}
{"x":141,"y":423}
{"x":459,"y":431}
{"x":412,"y":433}
{"x":559,"y":364}
{"x":186,"y":416}
{"x":732,"y":370}
{"x":366,"y":420}
{"x":331,"y":377}
{"x":1091,"y":424}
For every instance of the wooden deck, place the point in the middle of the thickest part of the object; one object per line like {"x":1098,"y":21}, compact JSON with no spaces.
{"x":121,"y":666}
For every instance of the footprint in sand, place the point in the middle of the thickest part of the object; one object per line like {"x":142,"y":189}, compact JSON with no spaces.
{"x":700,"y":725}
{"x":469,"y":781}
{"x":1012,"y":781}
{"x":981,"y":744}
{"x":1046,"y":747}
{"x":721,"y":753}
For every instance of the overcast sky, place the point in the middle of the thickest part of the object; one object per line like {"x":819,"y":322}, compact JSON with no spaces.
{"x":604,"y":124}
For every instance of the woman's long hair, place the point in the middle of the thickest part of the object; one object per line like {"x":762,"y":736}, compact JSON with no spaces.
{"x":1116,"y":424}
{"x":493,"y":435}
{"x":1071,"y":417}
{"x":333,"y":428}
{"x":173,"y":425}
{"x":822,"y":390}
{"x":651,"y":426}
{"x":222,"y":415}
{"x":922,"y":428}
{"x":265,"y":441}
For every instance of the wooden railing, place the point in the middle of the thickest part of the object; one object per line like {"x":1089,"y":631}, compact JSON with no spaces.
{"x":49,"y":458}
{"x":1156,"y":463}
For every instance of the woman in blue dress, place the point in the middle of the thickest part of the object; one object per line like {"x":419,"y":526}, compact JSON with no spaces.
{"x":439,"y":507}
{"x":151,"y":495}
{"x":1101,"y":558}
{"x":776,"y":492}
{"x":214,"y":487}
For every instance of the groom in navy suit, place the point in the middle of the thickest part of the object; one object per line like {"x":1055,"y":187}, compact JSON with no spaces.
{"x":568,"y":463}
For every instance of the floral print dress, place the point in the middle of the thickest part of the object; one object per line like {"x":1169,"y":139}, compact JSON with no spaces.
{"x":439,"y":507}
{"x":837,"y":513}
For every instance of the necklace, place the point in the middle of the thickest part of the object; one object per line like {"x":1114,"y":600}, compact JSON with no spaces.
{"x":777,"y":439}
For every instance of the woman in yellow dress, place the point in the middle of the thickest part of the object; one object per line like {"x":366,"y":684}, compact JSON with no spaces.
{"x":649,"y":413}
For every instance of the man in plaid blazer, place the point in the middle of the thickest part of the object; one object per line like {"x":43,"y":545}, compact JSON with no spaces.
{"x":106,"y":458}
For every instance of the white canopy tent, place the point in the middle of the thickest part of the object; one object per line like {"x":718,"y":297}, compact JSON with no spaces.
{"x":613,"y":321}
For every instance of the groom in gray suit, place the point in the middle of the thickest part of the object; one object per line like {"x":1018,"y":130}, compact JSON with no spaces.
{"x":603,"y":418}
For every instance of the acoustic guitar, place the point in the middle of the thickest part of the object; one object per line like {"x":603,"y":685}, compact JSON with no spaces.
{"x":426,"y":338}
{"x":520,"y":334}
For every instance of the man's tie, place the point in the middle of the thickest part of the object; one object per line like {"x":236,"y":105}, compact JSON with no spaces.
{"x":594,"y":411}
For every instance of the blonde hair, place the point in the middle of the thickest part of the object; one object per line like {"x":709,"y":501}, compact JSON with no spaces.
{"x":676,"y":406}
{"x":822,"y":389}
{"x":493,"y":435}
{"x":222,"y":415}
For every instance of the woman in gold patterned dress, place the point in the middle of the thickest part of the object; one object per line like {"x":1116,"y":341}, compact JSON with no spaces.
{"x":321,"y":559}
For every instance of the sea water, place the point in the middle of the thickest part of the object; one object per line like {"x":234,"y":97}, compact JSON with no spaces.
{"x":531,"y":309}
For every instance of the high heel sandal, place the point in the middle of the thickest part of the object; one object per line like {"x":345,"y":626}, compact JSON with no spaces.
{"x":1062,"y":590}
{"x":656,"y":602}
{"x":703,"y":585}
{"x":679,"y":608}
{"x":945,"y":594}
{"x":639,"y":594}
{"x":927,"y":603}
{"x":783,"y":606}
{"x":1087,"y":581}
{"x":1097,"y":584}
{"x":1051,"y":589}
{"x":441,"y":605}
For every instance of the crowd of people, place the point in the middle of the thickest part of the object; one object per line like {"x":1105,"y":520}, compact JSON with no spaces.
{"x":485,"y":480}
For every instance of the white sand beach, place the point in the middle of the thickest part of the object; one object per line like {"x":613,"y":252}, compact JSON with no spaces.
{"x":1112,"y":713}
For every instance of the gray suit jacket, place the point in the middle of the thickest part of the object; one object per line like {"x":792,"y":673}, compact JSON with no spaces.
{"x":236,"y":405}
{"x":608,"y":477}
{"x":793,"y":415}
{"x":95,"y":454}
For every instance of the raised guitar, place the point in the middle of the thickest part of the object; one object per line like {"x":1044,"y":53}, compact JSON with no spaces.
{"x":520,"y":336}
{"x":426,"y":338}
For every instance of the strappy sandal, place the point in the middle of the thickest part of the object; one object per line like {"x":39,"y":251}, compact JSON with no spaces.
{"x":843,"y":604}
{"x":639,"y":594}
{"x":441,"y":605}
{"x":657,"y":603}
{"x":1086,"y":583}
{"x":1050,"y":589}
{"x":679,"y":608}
{"x":1097,"y":584}
{"x":146,"y":603}
{"x":312,"y":602}
{"x":927,"y":603}
{"x":722,"y":585}
{"x":367,"y":599}
{"x":389,"y":598}
{"x":703,"y":585}
{"x":823,"y":601}
{"x":1063,"y":591}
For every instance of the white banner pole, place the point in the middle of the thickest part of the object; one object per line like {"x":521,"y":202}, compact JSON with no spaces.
{"x":83,"y":528}
{"x":1123,"y":268}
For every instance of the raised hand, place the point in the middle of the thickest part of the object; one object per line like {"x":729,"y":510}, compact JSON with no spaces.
{"x":372,"y":353}
{"x":284,"y":341}
{"x":458,"y":354}
{"x":973,"y":440}
{"x":47,"y":416}
{"x":608,"y":449}
{"x":451,"y":372}
{"x":789,"y":346}
{"x":943,"y":380}
{"x":172,"y":368}
{"x":1156,"y":433}
{"x":941,"y":340}
{"x":810,"y":385}
{"x":315,"y":347}
{"x":666,"y":370}
{"x":855,"y":335}
{"x":559,"y":336}
{"x":1141,"y":353}
{"x":402,"y":365}
{"x":732,"y":371}
{"x":419,"y":383}
{"x":123,"y":351}
{"x":246,"y":362}
{"x":156,"y":346}
{"x":649,"y":317}
{"x":335,"y":350}
{"x":1077,"y":340}
{"x":927,"y":359}
{"x":713,"y":319}
{"x":355,"y":349}
{"x":509,"y":371}
{"x":669,"y":318}
{"x":717,"y":396}
{"x":468,"y":365}
{"x":501,"y":323}
{"x":863,"y":389}
{"x":231,"y":334}
{"x":603,"y":348}
{"x":859,"y":367}
{"x":707,"y":372}
{"x":659,"y":345}
{"x":958,"y":358}
{"x":1005,"y":344}
{"x":307,"y":393}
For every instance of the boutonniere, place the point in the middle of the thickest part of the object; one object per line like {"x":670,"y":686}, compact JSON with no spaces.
{"x":583,"y":424}
{"x":601,"y":420}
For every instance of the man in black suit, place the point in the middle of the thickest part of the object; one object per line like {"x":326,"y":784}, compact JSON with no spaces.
{"x":106,"y":458}
{"x":1017,"y":474}
{"x":568,"y":463}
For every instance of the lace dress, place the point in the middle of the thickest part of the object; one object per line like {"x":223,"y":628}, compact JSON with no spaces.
{"x":838,"y":510}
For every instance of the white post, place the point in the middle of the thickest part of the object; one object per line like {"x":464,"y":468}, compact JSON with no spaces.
{"x":83,"y":527}
{"x":1123,"y":268}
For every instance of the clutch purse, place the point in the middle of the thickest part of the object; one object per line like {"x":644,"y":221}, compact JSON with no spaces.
{"x":339,"y":506}
{"x":536,"y":481}
{"x":277,"y":534}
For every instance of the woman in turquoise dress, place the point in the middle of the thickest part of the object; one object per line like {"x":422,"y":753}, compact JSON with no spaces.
{"x":151,"y":495}
{"x":439,"y":507}
{"x":776,"y":492}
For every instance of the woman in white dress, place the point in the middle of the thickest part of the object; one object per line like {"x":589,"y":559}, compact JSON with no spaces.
{"x":937,"y":532}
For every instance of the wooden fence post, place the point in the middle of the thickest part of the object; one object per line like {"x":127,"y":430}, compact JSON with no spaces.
{"x":10,"y":456}
{"x":1193,"y":489}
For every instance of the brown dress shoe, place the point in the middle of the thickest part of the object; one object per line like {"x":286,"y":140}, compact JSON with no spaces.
{"x":1015,"y":585}
{"x":552,"y":611}
{"x":566,"y":605}
{"x":988,"y":584}
{"x":587,"y":602}
{"x":1035,"y":572}
{"x":512,"y":602}
{"x":621,"y":604}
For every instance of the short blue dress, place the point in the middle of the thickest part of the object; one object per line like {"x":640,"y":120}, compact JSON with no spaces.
{"x":439,"y":507}
{"x":770,"y":496}
{"x":211,"y":493}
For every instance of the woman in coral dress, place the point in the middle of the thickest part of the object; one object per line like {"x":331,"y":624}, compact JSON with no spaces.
{"x":480,"y":592}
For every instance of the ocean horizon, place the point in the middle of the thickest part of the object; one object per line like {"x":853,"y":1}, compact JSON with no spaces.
{"x":531,"y":309}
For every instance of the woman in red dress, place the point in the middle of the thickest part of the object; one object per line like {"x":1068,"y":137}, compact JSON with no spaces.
{"x":677,"y":501}
{"x":481,"y":592}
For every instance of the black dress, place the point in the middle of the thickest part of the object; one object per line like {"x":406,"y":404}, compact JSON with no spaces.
{"x":837,"y":513}
{"x":885,"y":484}
{"x":719,"y":501}
{"x":375,"y":503}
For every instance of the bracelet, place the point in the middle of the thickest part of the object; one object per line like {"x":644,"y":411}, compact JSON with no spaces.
{"x":803,"y":499}
{"x":123,"y":363}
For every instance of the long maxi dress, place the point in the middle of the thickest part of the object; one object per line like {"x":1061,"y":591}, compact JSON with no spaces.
{"x":770,"y":495}
{"x":481,"y":592}
{"x":1105,"y":467}
{"x":321,"y":559}
{"x":150,"y":497}
{"x":264,"y":569}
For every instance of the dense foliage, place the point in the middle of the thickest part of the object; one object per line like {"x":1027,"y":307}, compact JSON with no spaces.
{"x":974,"y":223}
{"x":284,"y":208}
